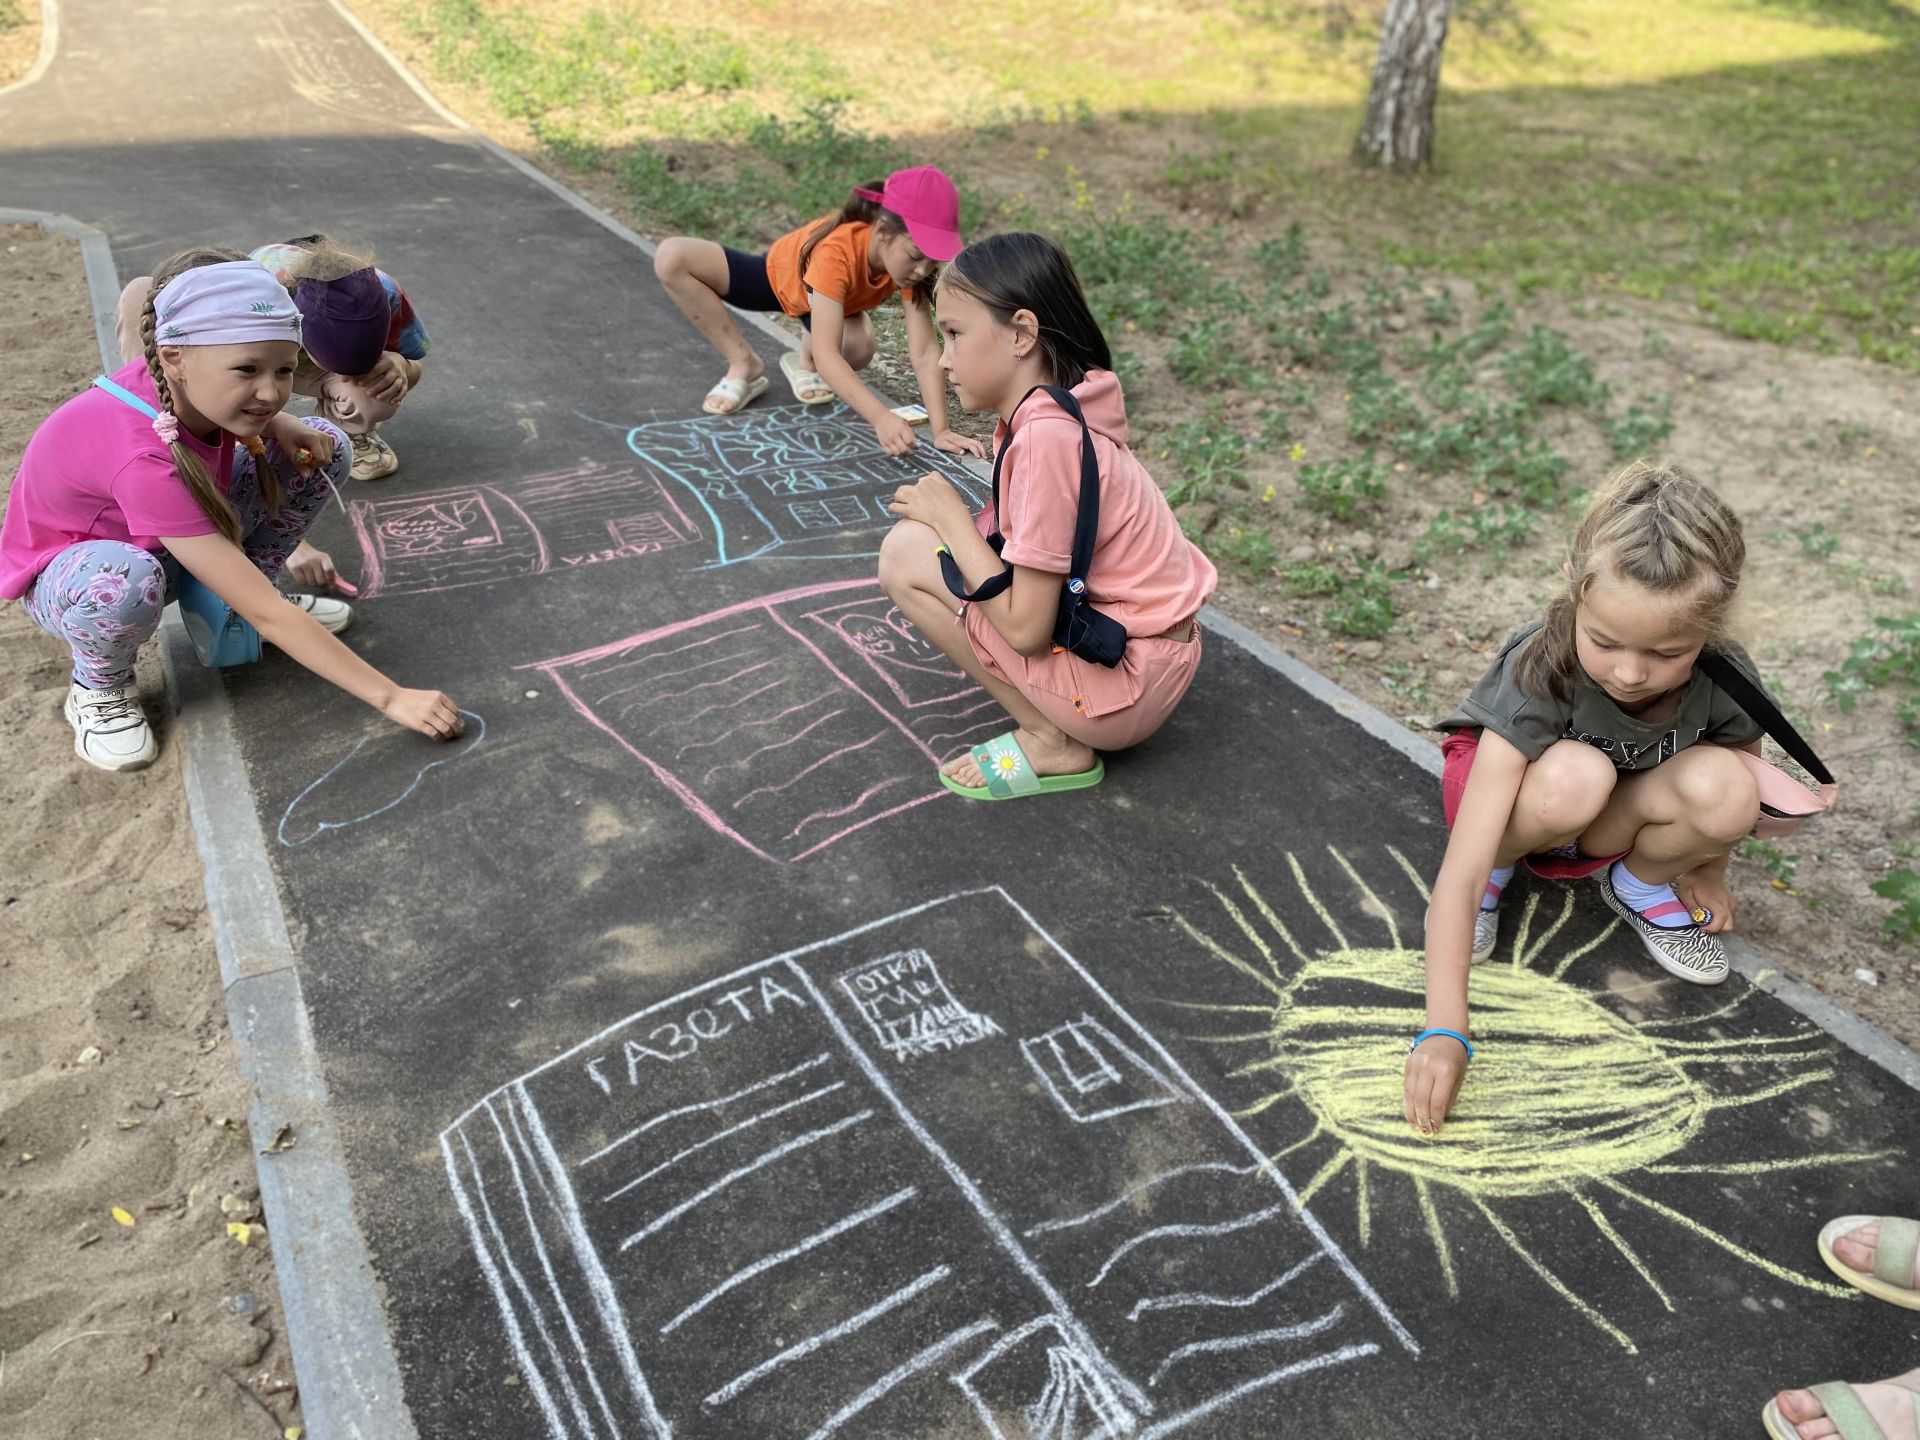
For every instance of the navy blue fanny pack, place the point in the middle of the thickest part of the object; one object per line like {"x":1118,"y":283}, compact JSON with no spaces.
{"x":1078,"y":627}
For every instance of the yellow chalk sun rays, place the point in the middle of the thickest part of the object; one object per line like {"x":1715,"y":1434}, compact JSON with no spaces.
{"x":1566,"y":1097}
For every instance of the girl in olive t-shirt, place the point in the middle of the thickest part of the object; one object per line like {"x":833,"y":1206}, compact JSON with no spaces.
{"x":1594,"y":744}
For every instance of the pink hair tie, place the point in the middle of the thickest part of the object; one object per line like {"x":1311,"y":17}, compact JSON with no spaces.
{"x":874,"y":195}
{"x":167,"y":426}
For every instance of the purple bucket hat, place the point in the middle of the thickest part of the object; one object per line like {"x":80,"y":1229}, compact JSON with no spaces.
{"x":345,"y":321}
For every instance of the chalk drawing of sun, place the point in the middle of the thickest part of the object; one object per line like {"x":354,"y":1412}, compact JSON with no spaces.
{"x":1566,"y":1098}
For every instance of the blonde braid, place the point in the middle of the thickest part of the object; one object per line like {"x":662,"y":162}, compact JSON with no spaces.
{"x":191,"y":469}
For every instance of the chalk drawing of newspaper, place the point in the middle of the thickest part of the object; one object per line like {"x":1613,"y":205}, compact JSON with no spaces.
{"x":788,"y":722}
{"x":795,"y":481}
{"x":477,"y":534}
{"x":856,"y":1190}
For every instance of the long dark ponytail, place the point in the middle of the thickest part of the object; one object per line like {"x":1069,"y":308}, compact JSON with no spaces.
{"x":1023,"y":271}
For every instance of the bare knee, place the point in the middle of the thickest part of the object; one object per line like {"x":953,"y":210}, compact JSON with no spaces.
{"x":856,"y":344}
{"x":1570,"y":785}
{"x":903,"y":557}
{"x":1716,"y":793}
{"x":670,"y":261}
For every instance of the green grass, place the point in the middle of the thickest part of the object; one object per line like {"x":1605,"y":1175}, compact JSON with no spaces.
{"x":1750,"y":157}
{"x":12,"y":14}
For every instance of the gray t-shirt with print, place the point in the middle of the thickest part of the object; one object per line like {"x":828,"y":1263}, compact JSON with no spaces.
{"x":1500,"y":703}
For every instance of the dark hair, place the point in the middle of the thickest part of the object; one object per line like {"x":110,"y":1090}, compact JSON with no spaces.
{"x":1022,"y":271}
{"x":858,"y":210}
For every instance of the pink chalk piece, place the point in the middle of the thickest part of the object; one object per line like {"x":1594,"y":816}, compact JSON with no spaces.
{"x":346,"y":587}
{"x":788,"y":722}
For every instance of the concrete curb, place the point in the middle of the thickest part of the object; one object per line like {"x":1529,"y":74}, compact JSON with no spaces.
{"x":49,"y":41}
{"x":343,"y":1357}
{"x":533,"y":172}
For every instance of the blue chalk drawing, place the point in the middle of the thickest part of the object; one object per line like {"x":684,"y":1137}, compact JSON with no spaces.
{"x":476,"y":729}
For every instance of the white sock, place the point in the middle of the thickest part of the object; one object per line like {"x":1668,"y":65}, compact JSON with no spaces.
{"x":1496,"y":882}
{"x":1641,"y":896}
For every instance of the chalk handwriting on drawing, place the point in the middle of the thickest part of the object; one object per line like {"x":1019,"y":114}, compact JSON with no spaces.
{"x":906,"y":1002}
{"x":790,"y":482}
{"x":480,"y":534}
{"x":799,"y":1235}
{"x":680,"y":1038}
{"x":789,"y":722}
{"x":365,"y":782}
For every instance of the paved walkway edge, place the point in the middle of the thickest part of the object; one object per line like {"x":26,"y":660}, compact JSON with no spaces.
{"x":49,"y":41}
{"x":343,"y":1356}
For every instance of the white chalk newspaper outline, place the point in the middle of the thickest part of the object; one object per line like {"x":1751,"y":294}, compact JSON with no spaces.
{"x":584,"y":1372}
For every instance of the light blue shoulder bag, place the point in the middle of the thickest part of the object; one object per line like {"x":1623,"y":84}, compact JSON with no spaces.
{"x":220,"y":636}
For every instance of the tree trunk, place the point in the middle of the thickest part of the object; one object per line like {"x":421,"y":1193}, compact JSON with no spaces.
{"x":1398,"y":130}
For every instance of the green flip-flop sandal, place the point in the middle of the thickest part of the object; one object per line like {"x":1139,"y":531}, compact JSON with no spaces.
{"x":1843,"y":1407}
{"x":1010,"y":774}
{"x":1891,"y":1279}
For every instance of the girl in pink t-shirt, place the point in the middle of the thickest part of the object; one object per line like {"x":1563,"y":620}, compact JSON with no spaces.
{"x":138,"y":477}
{"x":1014,"y":320}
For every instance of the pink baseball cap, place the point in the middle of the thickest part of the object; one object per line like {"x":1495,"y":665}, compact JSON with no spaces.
{"x":926,"y":199}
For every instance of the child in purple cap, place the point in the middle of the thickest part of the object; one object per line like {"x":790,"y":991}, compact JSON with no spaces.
{"x":891,"y":236}
{"x":364,"y":344}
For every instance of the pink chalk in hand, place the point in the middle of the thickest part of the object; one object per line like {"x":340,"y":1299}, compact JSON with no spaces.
{"x":345,"y":587}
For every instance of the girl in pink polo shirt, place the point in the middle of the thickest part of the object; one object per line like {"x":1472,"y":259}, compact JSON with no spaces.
{"x":184,"y":458}
{"x":989,"y":590}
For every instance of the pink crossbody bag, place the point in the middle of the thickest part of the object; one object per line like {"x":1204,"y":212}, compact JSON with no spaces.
{"x":1785,"y":804}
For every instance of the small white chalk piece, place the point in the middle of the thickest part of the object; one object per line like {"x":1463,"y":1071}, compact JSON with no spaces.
{"x":912,"y":414}
{"x":533,"y":694}
{"x":1866,"y":976}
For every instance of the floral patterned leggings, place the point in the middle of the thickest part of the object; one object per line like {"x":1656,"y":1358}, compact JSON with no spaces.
{"x":104,"y":597}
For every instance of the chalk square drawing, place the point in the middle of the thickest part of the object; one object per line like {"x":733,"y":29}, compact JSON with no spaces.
{"x":906,"y":1003}
{"x":735,"y":1213}
{"x":794,"y":481}
{"x":480,"y":534}
{"x":1093,"y":1074}
{"x":788,"y":722}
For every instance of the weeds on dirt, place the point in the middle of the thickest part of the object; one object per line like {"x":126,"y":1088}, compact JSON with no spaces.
{"x":1886,"y":658}
{"x":1902,"y":887}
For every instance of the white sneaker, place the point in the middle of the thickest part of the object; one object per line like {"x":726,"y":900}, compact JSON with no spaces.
{"x":109,"y":730}
{"x":373,"y":458}
{"x":333,"y":615}
{"x":1486,"y":933}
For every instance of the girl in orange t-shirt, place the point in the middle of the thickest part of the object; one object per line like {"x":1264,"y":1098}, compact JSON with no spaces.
{"x":828,"y":274}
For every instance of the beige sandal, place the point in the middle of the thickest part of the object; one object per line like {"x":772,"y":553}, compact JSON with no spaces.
{"x":808,"y":387}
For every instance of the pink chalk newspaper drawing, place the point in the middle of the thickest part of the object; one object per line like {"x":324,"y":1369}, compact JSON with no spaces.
{"x":788,"y":722}
{"x":478,"y":534}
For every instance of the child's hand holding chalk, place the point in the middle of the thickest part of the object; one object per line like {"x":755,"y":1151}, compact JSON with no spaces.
{"x":314,"y":568}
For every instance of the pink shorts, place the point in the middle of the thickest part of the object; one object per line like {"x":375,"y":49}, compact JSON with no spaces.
{"x":1458,"y":750}
{"x":1155,"y":669}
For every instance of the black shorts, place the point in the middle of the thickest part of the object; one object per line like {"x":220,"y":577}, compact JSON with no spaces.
{"x":748,"y":287}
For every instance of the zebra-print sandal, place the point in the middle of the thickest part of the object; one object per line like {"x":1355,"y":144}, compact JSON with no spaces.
{"x":1686,"y":951}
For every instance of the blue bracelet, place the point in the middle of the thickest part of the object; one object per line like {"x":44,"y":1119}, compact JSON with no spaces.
{"x":1451,"y":1034}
